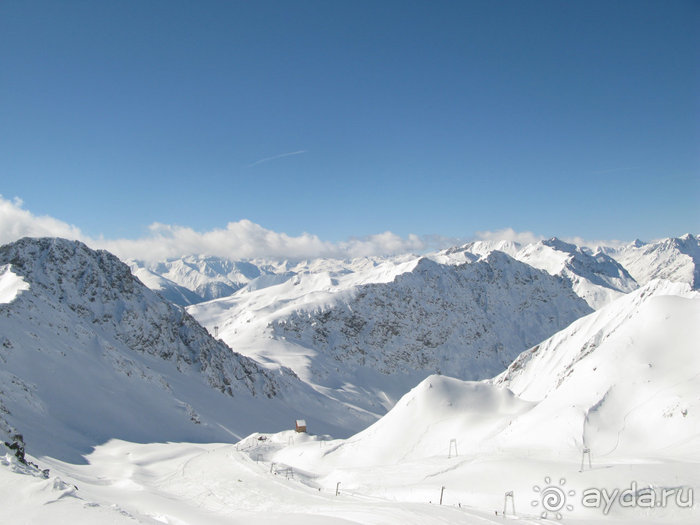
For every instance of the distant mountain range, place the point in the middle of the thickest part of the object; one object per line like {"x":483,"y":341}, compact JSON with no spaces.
{"x":598,"y":275}
{"x":89,"y":353}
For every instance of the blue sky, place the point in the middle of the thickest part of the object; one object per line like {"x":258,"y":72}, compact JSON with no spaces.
{"x":347,"y":119}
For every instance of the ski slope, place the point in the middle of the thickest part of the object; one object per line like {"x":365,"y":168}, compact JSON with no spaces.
{"x":610,"y":382}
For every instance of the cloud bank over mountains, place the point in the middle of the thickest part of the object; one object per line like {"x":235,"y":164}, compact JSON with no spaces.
{"x":238,"y":240}
{"x":242,"y":239}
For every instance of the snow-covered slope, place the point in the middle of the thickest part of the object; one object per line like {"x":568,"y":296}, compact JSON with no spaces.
{"x":10,"y":284}
{"x":622,"y":381}
{"x":426,"y":419}
{"x":89,"y":354}
{"x":367,"y":337}
{"x":169,"y":290}
{"x":675,"y":259}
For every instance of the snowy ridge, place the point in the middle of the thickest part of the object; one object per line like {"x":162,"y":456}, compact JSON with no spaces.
{"x":598,"y":275}
{"x":194,"y":279}
{"x":169,"y":290}
{"x":424,"y":421}
{"x":206,"y":277}
{"x":368,"y":343}
{"x":622,"y":381}
{"x":473,"y":251}
{"x":542,"y":368}
{"x":101,"y":291}
{"x":595,"y":276}
{"x":437,"y":317}
{"x":675,"y":259}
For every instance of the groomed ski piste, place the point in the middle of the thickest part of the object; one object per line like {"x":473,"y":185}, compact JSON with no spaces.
{"x":608,"y":408}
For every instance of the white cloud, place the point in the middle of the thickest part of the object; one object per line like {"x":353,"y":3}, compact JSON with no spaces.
{"x":238,"y":240}
{"x":526,"y":237}
{"x":386,"y":243}
{"x":509,"y":234}
{"x":16,"y":222}
{"x":580,"y":241}
{"x":242,"y":239}
{"x":247,"y":240}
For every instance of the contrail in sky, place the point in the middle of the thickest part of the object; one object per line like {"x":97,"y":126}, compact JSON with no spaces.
{"x":268,"y":159}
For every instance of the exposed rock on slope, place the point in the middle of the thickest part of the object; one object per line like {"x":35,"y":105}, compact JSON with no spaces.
{"x":100,"y":291}
{"x":88,"y":354}
{"x":467,"y":321}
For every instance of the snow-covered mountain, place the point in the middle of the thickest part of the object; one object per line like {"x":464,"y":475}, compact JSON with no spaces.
{"x":205,"y":277}
{"x":444,"y":318}
{"x":169,"y":290}
{"x":621,"y":382}
{"x":89,"y":354}
{"x":368,"y":337}
{"x":195,"y":279}
{"x":595,"y":276}
{"x":365,"y":330}
{"x":598,"y":275}
{"x":675,"y":259}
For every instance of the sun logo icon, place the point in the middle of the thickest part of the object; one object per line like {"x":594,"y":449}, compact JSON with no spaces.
{"x":553,"y":498}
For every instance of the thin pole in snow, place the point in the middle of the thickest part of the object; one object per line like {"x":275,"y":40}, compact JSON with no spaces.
{"x":586,"y":452}
{"x":509,"y":494}
{"x":453,"y":442}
